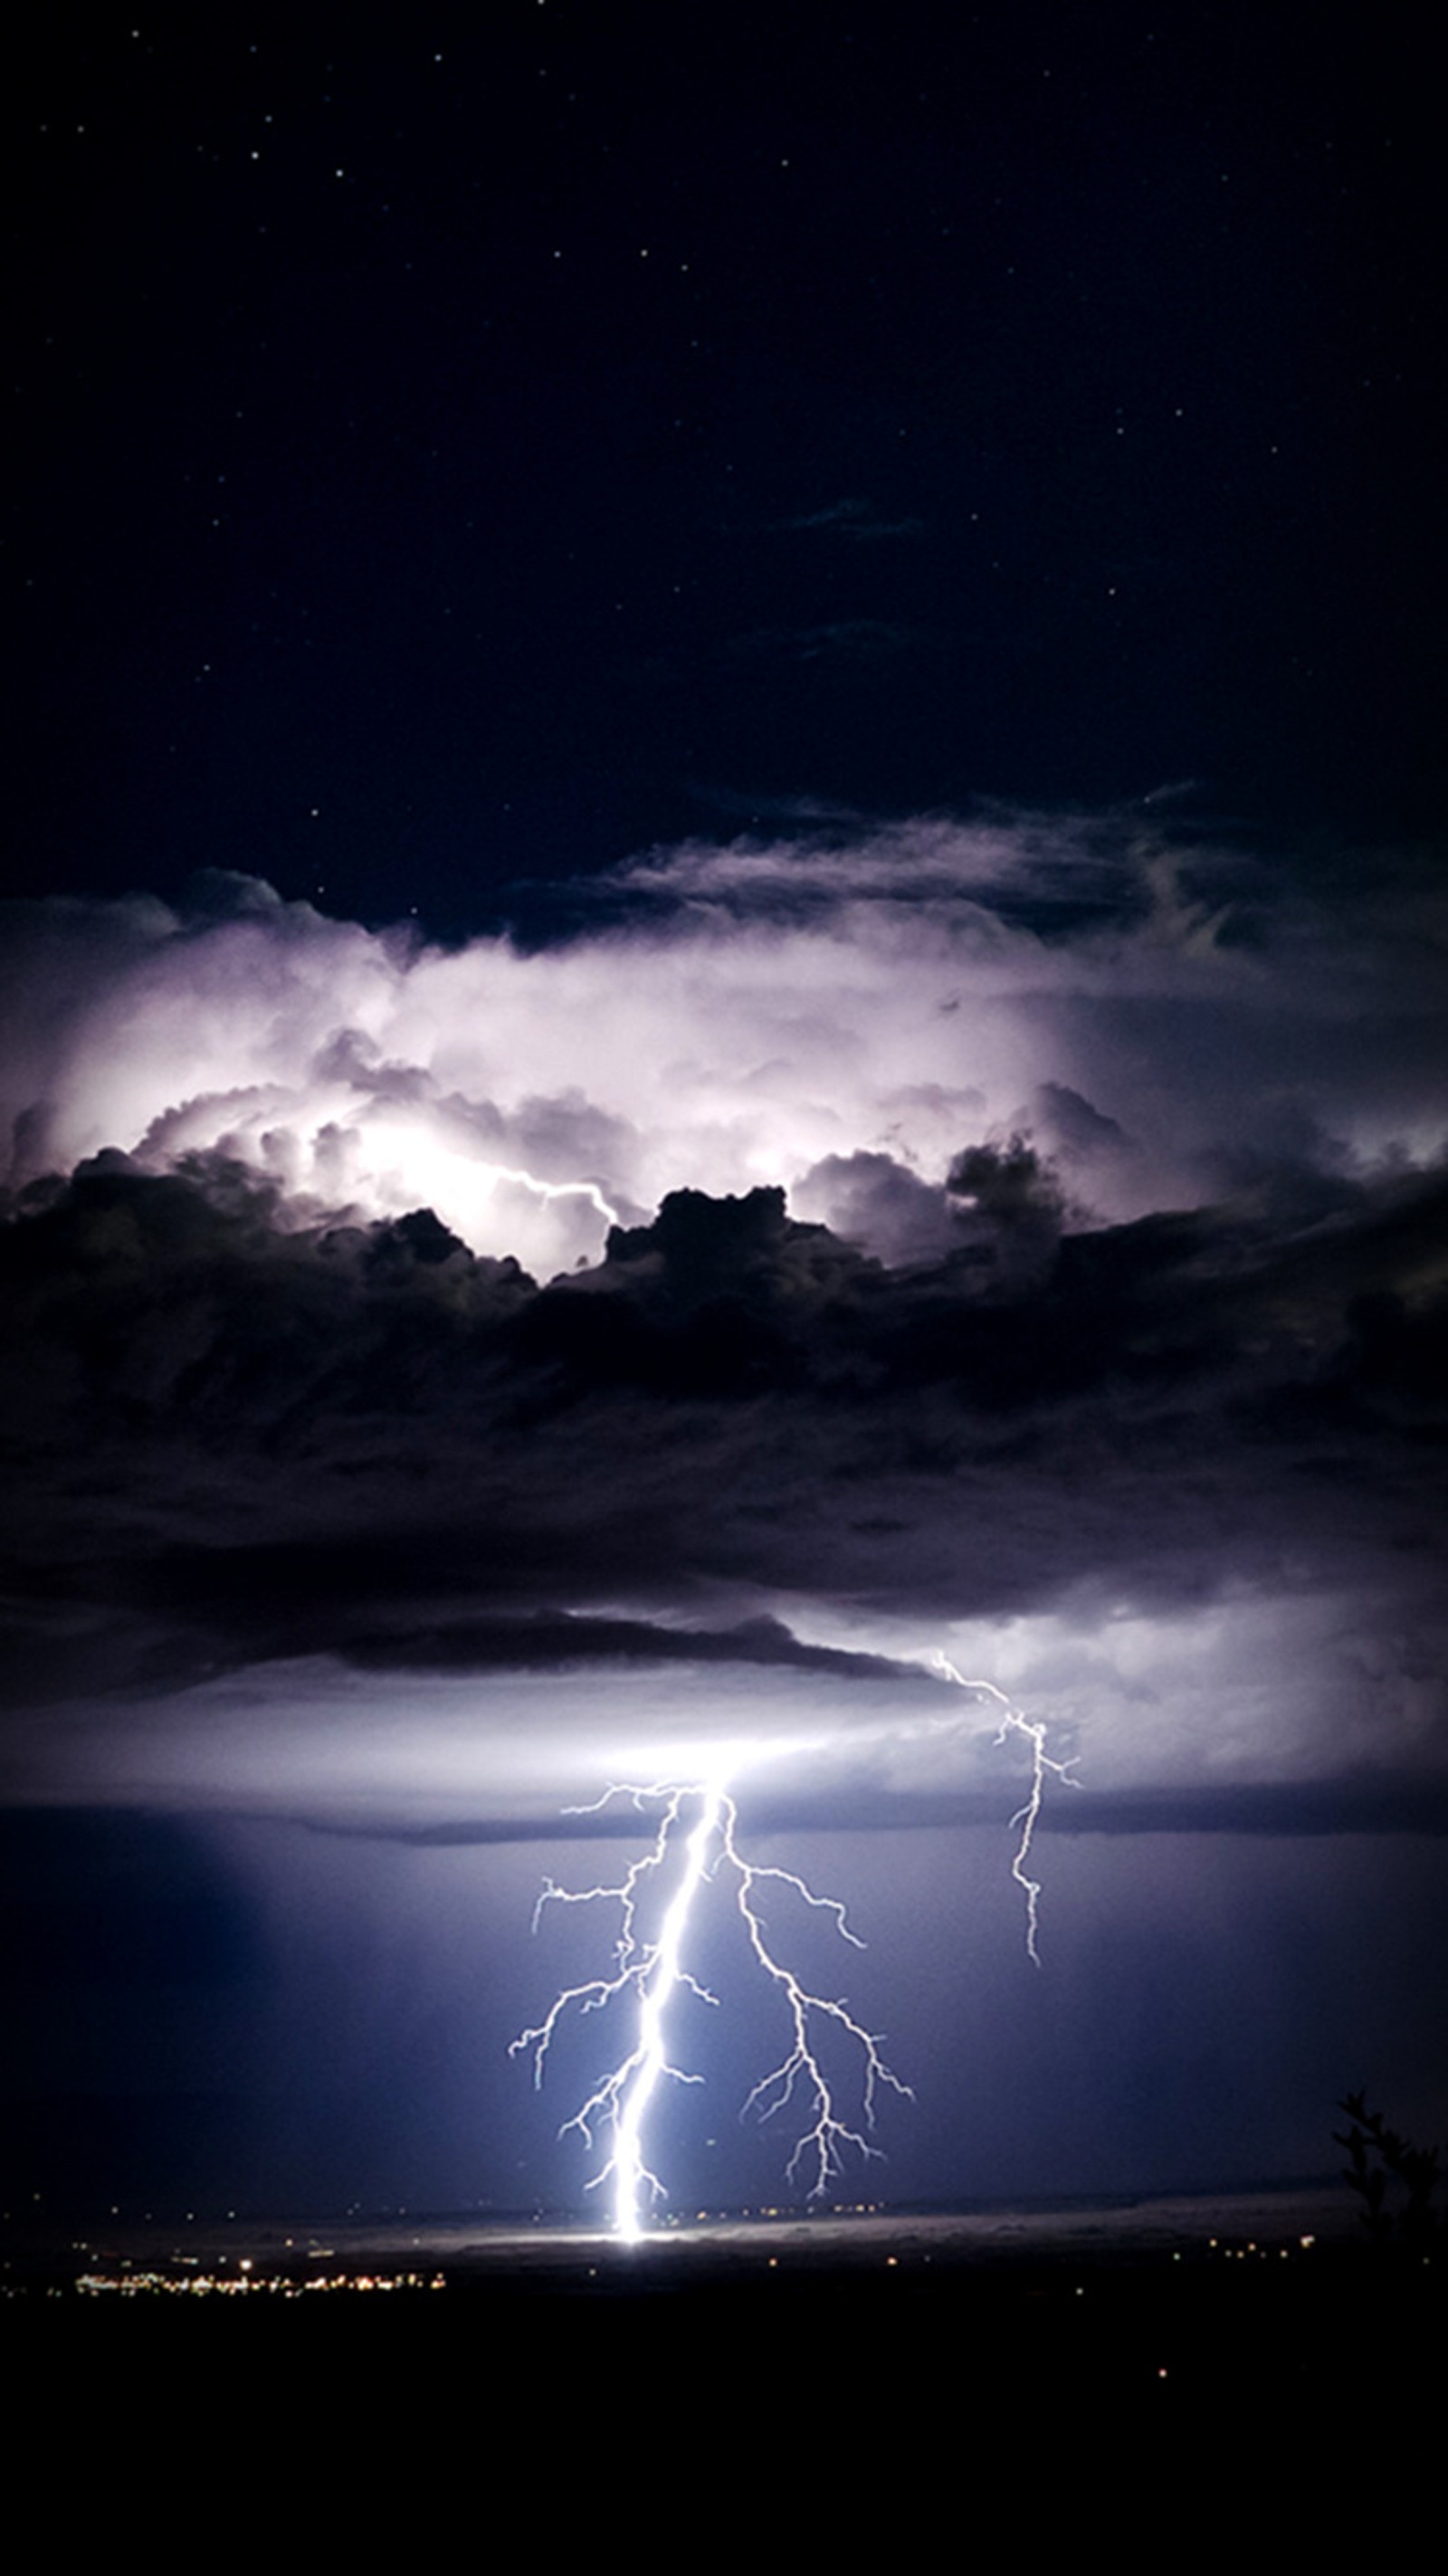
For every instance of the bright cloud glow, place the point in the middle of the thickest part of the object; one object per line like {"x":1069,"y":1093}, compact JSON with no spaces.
{"x":841,"y":1020}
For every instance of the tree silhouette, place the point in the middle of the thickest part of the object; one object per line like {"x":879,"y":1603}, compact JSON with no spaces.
{"x":1378,"y":2156}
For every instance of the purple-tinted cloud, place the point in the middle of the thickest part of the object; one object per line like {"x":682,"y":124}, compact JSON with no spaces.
{"x":1000,"y":1231}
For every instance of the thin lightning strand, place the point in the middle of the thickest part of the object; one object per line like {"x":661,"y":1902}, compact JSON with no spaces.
{"x":654,"y":1970}
{"x":1012,"y":1722}
{"x":550,"y":1190}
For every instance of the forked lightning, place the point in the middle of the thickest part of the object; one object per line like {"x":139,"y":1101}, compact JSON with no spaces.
{"x":695,"y":1845}
{"x":1026,"y":1815}
{"x":702,"y":1816}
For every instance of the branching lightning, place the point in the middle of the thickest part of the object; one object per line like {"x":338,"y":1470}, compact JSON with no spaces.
{"x":695,"y":1845}
{"x":1028,"y":1813}
{"x":698,"y":1820}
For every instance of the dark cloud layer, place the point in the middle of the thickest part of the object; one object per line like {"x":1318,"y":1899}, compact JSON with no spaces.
{"x":231,"y":1436}
{"x":1026,"y":1237}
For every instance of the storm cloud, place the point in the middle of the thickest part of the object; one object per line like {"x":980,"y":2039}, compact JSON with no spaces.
{"x":1024,"y":1236}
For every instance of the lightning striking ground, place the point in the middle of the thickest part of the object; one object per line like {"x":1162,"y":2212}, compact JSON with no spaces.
{"x":696,"y":1841}
{"x":702,"y":1816}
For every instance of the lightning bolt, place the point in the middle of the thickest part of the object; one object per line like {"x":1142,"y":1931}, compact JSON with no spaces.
{"x":698,"y":1824}
{"x":1013,"y":1722}
{"x":695,"y":1846}
{"x":549,"y":1190}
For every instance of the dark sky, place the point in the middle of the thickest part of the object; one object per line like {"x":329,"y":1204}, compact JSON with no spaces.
{"x":725,"y":968}
{"x":556,"y":429}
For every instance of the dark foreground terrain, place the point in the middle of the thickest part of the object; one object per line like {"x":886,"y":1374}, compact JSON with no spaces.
{"x":798,"y":2381}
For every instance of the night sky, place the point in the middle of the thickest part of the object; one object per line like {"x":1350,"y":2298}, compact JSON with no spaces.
{"x":723,"y":968}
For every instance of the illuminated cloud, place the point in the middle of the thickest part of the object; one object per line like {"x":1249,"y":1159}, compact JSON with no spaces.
{"x":841,"y":1018}
{"x":1004,"y":1226}
{"x":1000,"y":1233}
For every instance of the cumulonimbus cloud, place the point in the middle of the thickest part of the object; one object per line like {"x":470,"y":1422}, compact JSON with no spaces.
{"x":842,"y":1017}
{"x":923,"y":1235}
